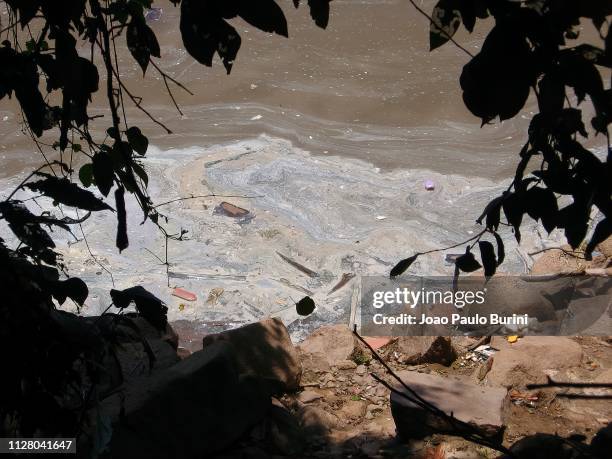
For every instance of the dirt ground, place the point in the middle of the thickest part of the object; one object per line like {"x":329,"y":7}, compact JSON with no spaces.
{"x":356,"y":409}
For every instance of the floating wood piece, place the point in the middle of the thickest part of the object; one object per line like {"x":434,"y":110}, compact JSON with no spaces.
{"x":294,"y":286}
{"x":183,"y":294}
{"x":342,"y":282}
{"x":179,"y":275}
{"x":230,"y":210}
{"x":299,"y":267}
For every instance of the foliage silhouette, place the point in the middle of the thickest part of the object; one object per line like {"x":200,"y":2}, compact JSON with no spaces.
{"x":56,"y":369}
{"x":533,"y":48}
{"x":57,"y":360}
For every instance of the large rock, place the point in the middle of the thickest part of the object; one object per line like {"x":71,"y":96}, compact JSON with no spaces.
{"x":416,"y":350}
{"x":528,"y":360}
{"x":264,"y":349}
{"x":605,"y":247}
{"x":316,"y":421}
{"x":334,"y":343}
{"x":284,"y":431}
{"x":190,"y":410}
{"x":468,"y":402}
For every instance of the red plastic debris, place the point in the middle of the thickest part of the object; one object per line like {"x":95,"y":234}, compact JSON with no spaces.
{"x":184,"y":294}
{"x":376,"y":342}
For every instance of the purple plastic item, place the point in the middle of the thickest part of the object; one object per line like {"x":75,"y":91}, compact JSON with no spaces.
{"x":154,"y":14}
{"x":430,"y":185}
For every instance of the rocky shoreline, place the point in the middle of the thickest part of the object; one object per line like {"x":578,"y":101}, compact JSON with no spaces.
{"x":250,"y":393}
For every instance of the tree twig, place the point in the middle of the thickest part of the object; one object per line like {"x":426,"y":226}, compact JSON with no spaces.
{"x":462,"y":429}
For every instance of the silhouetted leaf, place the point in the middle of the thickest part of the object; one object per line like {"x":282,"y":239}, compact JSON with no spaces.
{"x":142,"y":43}
{"x":147,"y":304}
{"x":445,"y":20}
{"x":122,"y":237}
{"x":19,"y":74}
{"x":496,"y":82}
{"x":86,"y":174}
{"x":467,"y":262}
{"x":501,"y":253}
{"x":492,"y":213}
{"x":305,"y":306}
{"x":468,"y":13}
{"x":514,"y":208}
{"x":27,"y":9}
{"x":205,"y":33}
{"x":137,"y":168}
{"x":65,"y":192}
{"x":552,"y":93}
{"x":487,"y":255}
{"x":541,"y":204}
{"x":403,"y":265}
{"x":602,"y":231}
{"x":73,"y":288}
{"x":319,"y":12}
{"x":137,"y":140}
{"x":266,"y":15}
{"x":581,"y":74}
{"x":24,"y":225}
{"x":574,"y":220}
{"x":103,"y":172}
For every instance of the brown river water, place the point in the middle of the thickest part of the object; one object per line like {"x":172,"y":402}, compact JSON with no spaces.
{"x":332,"y":133}
{"x":366,"y":87}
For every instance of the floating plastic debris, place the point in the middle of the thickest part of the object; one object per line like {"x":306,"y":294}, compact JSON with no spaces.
{"x":154,"y":14}
{"x":184,"y":294}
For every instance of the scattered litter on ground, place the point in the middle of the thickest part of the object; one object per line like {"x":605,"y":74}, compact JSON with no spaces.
{"x":376,"y":342}
{"x":381,"y":217}
{"x":230,"y":210}
{"x":298,"y":266}
{"x":154,"y":14}
{"x":513,"y":338}
{"x":299,"y":288}
{"x":430,"y":185}
{"x":521,"y":398}
{"x":346,"y":277}
{"x":256,"y":117}
{"x":214,"y":295}
{"x":450,"y":258}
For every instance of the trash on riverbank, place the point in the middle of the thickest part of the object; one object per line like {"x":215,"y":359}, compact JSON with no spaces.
{"x":184,"y":294}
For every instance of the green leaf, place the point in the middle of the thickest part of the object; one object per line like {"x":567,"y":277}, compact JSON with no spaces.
{"x":86,"y":175}
{"x":137,"y":140}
